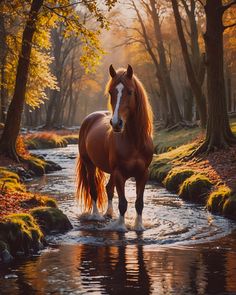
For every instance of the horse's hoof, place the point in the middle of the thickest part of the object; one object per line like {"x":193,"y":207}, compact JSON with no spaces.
{"x":139,"y":228}
{"x":109,"y":214}
{"x":91,"y":217}
{"x":116,"y":226}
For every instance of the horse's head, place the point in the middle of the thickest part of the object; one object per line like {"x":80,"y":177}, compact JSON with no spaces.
{"x":122,"y":97}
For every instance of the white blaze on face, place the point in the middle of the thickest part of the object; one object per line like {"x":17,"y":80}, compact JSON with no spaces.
{"x":115,"y":117}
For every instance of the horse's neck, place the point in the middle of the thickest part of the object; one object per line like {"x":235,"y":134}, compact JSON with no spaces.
{"x":132,"y":134}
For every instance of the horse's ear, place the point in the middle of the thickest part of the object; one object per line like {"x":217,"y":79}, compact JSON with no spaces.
{"x":130,"y":72}
{"x":112,"y":71}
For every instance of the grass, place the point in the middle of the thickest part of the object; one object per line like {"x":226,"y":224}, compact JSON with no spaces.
{"x":165,"y":141}
{"x":44,"y":140}
{"x":10,"y":181}
{"x":71,"y":138}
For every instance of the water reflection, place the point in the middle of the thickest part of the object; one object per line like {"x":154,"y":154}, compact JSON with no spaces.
{"x":131,"y":269}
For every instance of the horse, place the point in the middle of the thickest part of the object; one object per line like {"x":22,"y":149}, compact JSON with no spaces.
{"x":119,"y":143}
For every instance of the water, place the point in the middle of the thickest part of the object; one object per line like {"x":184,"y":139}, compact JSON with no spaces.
{"x":184,"y":250}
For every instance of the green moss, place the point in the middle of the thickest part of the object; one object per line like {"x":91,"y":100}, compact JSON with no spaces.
{"x":158,"y":170}
{"x":51,"y":219}
{"x":217,"y":199}
{"x":229,"y":207}
{"x":10,"y":181}
{"x":176,"y":177}
{"x":21,"y":232}
{"x":195,"y":188}
{"x":38,"y":201}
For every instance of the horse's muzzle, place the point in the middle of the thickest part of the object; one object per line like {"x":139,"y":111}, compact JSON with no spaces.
{"x":118,"y":126}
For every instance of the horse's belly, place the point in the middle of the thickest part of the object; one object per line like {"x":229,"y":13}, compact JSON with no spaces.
{"x":97,"y":148}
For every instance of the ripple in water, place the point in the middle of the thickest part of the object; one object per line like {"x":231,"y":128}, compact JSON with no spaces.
{"x":168,"y":220}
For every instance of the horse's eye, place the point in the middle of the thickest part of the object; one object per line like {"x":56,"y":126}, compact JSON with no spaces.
{"x":129,"y":92}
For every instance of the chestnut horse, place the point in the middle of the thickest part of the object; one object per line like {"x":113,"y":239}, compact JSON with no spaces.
{"x":119,"y":144}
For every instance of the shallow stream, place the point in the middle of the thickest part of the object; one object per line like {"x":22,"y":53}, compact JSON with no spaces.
{"x":184,"y":249}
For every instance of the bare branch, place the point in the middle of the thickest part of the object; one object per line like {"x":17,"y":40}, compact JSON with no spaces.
{"x":200,"y":1}
{"x":129,"y":42}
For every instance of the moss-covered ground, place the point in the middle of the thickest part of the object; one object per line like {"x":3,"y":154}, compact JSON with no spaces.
{"x":25,"y":217}
{"x":207,"y":179}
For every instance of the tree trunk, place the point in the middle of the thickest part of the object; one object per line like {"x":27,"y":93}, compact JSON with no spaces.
{"x":219,"y":134}
{"x":165,"y":108}
{"x":163,"y":63}
{"x":196,"y":87}
{"x":188,"y":103}
{"x":3,"y":57}
{"x":13,"y":120}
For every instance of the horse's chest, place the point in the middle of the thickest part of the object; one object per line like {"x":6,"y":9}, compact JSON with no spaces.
{"x":131,"y":163}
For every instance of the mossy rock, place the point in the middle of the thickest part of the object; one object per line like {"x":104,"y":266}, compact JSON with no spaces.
{"x":217,"y":199}
{"x":175,"y":178}
{"x":51,"y":166}
{"x":158,"y":170}
{"x":229,"y":207}
{"x":195,"y":188}
{"x":21,"y":233}
{"x":36,"y":165}
{"x":51,"y":219}
{"x":5,"y":256}
{"x":39,"y":201}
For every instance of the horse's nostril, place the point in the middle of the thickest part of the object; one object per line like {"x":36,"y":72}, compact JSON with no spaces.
{"x":120,"y":123}
{"x":111,"y":122}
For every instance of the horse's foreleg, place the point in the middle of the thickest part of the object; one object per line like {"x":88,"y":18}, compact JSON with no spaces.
{"x":110,"y":194}
{"x":119,"y":225}
{"x":140,"y":185}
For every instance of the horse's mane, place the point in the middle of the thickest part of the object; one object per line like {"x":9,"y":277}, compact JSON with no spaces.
{"x":143,"y":114}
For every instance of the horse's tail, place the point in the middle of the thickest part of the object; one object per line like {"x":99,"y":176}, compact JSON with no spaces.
{"x":83,"y":186}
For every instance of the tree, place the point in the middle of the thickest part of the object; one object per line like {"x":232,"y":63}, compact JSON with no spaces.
{"x":12,"y":125}
{"x":191,"y":72}
{"x":169,"y":105}
{"x":64,"y":10}
{"x":219,"y":134}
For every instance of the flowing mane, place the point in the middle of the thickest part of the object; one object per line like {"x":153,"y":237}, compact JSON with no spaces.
{"x":143,"y":114}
